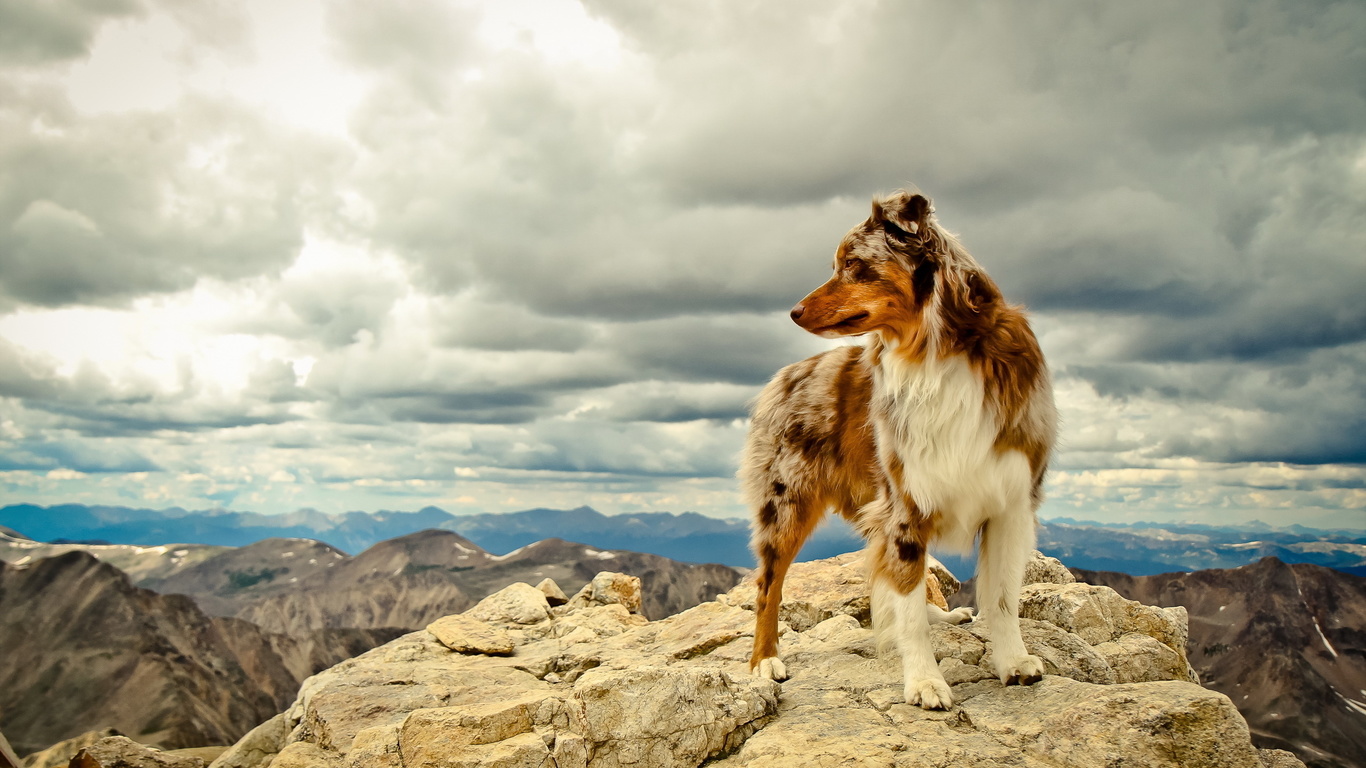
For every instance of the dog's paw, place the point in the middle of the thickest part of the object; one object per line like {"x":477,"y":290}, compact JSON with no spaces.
{"x":1025,"y":670}
{"x":770,"y":668}
{"x":929,"y":693}
{"x":958,"y":616}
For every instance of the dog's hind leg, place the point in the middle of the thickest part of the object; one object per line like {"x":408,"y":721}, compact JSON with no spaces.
{"x":781,"y":527}
{"x":901,"y":616}
{"x":1007,"y":542}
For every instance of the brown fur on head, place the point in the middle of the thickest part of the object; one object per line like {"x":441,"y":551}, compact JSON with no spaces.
{"x":884,"y":274}
{"x":899,"y":275}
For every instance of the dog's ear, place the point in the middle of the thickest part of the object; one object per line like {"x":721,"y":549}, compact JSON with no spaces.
{"x":902,"y":213}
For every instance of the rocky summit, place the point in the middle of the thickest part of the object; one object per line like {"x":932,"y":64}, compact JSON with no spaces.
{"x":517,"y":682}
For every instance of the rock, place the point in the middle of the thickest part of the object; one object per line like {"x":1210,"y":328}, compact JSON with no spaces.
{"x":666,"y":717}
{"x":59,"y":754}
{"x":122,"y":752}
{"x":814,"y":592}
{"x":207,"y":754}
{"x":302,"y":754}
{"x":1099,"y":615}
{"x":466,"y":634}
{"x":1137,"y":658}
{"x":494,"y":734}
{"x":1063,"y":653}
{"x":947,"y":583}
{"x":596,"y":621}
{"x":609,"y":588}
{"x":933,"y":592}
{"x":258,"y":747}
{"x":515,"y":604}
{"x":1142,"y":725}
{"x":1042,"y":569}
{"x":553,"y":594}
{"x":593,"y":685}
{"x":1279,"y":758}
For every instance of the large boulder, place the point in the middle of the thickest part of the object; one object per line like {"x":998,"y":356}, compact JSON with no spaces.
{"x":593,"y":685}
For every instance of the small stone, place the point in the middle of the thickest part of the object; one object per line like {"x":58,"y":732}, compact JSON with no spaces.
{"x":518,"y":603}
{"x":608,"y":588}
{"x":466,"y":634}
{"x":553,"y":594}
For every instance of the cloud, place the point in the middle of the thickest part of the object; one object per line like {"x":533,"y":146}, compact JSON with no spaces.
{"x":555,"y":250}
{"x":61,"y":30}
{"x":99,"y":210}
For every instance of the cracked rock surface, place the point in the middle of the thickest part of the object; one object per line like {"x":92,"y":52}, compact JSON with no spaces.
{"x":591,"y":683}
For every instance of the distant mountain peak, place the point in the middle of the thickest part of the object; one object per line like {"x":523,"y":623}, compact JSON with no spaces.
{"x":13,"y":534}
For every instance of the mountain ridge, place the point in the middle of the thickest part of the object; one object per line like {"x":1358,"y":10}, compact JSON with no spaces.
{"x":1286,"y":642}
{"x":1140,"y":548}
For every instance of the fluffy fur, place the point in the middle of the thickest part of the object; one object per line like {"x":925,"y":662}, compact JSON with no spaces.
{"x":939,"y":429}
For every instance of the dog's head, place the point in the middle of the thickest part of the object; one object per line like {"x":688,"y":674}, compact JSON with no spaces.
{"x":885,"y":274}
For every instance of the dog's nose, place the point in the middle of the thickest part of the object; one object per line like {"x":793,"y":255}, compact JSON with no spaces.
{"x":797,"y":311}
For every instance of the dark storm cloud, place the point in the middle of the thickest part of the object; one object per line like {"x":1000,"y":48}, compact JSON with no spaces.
{"x":1309,"y":409}
{"x":737,"y":349}
{"x":657,"y":401}
{"x":54,"y":30}
{"x":70,"y":452}
{"x":473,"y":323}
{"x":489,"y":407}
{"x":105,"y":209}
{"x":1001,"y":101}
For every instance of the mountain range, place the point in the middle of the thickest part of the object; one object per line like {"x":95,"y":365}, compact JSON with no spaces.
{"x":1137,"y":549}
{"x":86,"y":649}
{"x":189,"y":644}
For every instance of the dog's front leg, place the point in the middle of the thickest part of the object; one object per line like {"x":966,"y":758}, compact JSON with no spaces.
{"x":901,"y":616}
{"x":908,"y":625}
{"x":1007,"y":542}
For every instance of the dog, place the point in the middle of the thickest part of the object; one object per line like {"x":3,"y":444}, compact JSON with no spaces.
{"x":938,"y":429}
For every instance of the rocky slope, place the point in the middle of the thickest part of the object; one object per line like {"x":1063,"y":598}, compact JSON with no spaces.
{"x":85,"y":649}
{"x":1287,"y":643}
{"x":298,"y":586}
{"x":514,"y":682}
{"x":139,"y":562}
{"x":412,"y":580}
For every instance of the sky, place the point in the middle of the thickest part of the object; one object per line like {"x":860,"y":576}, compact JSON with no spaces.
{"x":384,"y":254}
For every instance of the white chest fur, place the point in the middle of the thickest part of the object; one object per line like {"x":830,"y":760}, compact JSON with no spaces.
{"x":936,"y":419}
